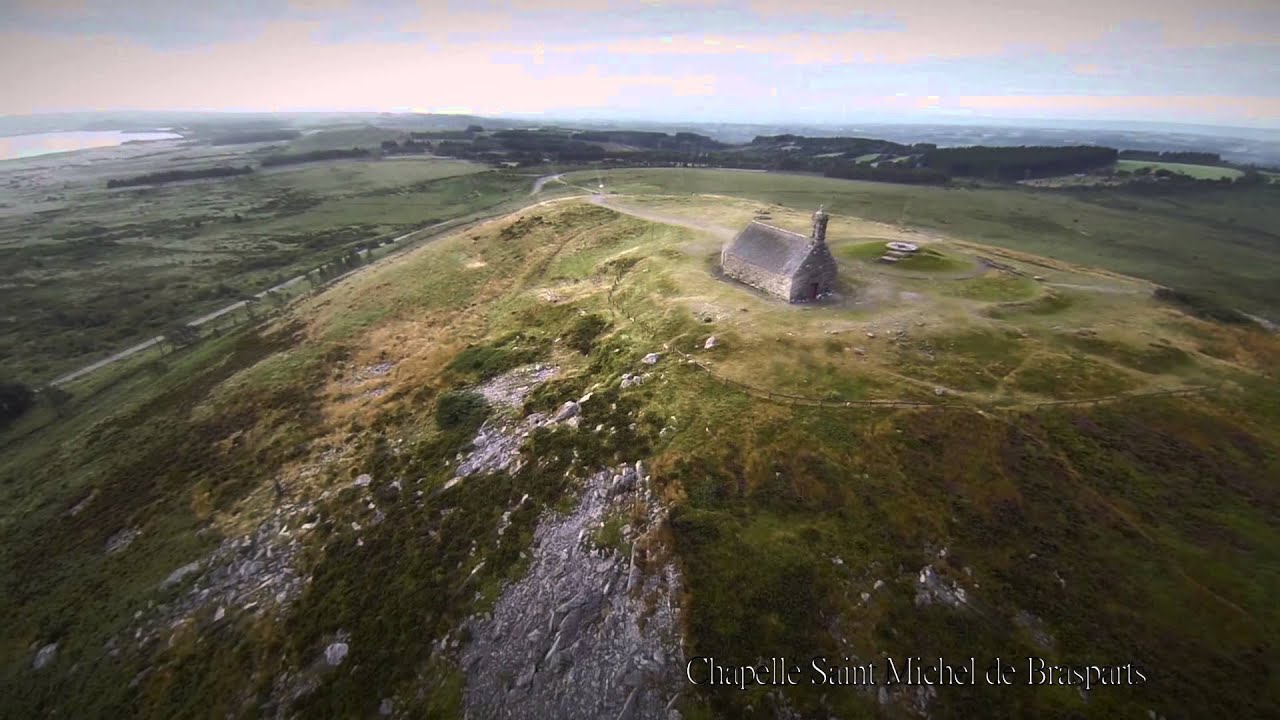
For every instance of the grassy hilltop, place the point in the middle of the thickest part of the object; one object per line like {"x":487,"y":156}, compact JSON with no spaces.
{"x":1132,"y":527}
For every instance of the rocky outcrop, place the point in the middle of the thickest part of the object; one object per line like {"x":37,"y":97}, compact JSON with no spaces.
{"x":335,"y":653}
{"x":629,"y":380}
{"x":253,"y":573}
{"x":121,"y":540}
{"x":586,"y":633}
{"x":510,"y":388}
{"x":45,"y":656}
{"x":496,"y":446}
{"x":933,"y":588}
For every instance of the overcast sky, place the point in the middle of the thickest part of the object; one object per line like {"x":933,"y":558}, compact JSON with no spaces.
{"x":1196,"y":61}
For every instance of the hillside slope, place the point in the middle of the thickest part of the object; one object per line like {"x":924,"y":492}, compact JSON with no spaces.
{"x":489,"y":472}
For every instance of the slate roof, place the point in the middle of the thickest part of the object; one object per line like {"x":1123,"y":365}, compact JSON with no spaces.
{"x":770,"y":248}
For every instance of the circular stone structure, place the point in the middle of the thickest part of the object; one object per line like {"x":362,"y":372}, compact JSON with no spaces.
{"x":903,"y":247}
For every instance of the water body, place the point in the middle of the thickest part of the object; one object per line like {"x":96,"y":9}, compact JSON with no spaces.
{"x":22,"y":146}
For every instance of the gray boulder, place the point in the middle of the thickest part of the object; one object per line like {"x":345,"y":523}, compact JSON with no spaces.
{"x":335,"y":654}
{"x":177,"y":575}
{"x":566,"y":411}
{"x":45,"y":656}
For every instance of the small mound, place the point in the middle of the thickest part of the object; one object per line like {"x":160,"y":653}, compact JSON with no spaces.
{"x":905,"y":256}
{"x":994,"y":286}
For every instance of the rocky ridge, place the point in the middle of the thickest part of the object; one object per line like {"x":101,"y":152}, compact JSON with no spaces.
{"x":586,"y":633}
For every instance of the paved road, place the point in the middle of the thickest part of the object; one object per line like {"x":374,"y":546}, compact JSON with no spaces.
{"x":153,"y":342}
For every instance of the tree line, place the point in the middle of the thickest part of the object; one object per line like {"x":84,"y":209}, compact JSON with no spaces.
{"x":1018,"y":163}
{"x":1191,"y":158}
{"x":682,"y":141}
{"x":888,"y":172}
{"x":313,"y":156}
{"x":168,"y":176}
{"x":408,"y":146}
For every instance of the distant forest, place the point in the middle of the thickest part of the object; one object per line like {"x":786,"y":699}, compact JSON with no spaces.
{"x":1192,"y":158}
{"x":169,"y":176}
{"x":853,"y":158}
{"x":405,"y":147}
{"x":1018,"y":163}
{"x":906,"y":175}
{"x":313,"y":156}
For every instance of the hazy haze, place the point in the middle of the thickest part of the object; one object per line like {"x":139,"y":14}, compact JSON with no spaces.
{"x":767,"y":61}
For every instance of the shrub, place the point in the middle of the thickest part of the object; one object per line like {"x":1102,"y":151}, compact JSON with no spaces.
{"x":15,"y":400}
{"x":481,"y":362}
{"x":1201,"y":307}
{"x":584,"y":332}
{"x":461,"y":409}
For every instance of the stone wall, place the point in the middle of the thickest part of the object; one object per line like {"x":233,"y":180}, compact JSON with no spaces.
{"x":756,"y":276}
{"x":819,"y":267}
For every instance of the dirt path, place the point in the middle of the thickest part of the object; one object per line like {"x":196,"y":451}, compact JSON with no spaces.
{"x":610,"y":202}
{"x":537,"y":184}
{"x":1108,"y":289}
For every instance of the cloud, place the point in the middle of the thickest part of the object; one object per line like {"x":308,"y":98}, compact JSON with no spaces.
{"x":804,"y":59}
{"x":279,"y":69}
{"x":1215,"y":107}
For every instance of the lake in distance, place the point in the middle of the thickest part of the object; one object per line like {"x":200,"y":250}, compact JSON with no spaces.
{"x":24,"y":146}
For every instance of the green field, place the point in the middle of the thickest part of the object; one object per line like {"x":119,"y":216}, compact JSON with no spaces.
{"x":1219,"y":243}
{"x":95,"y":270}
{"x":343,"y":138}
{"x":1199,"y":172}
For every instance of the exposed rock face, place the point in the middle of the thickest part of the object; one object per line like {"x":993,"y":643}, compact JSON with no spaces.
{"x":629,"y":380}
{"x":585,"y":633}
{"x":510,"y":388}
{"x":121,"y":540}
{"x":374,"y":371}
{"x":651,"y":359}
{"x":254,"y":573}
{"x":178,"y":575}
{"x":934,"y":588}
{"x":711,"y":343}
{"x":566,"y":411}
{"x":335,"y":653}
{"x":497,"y":445}
{"x":45,"y":656}
{"x":80,"y":506}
